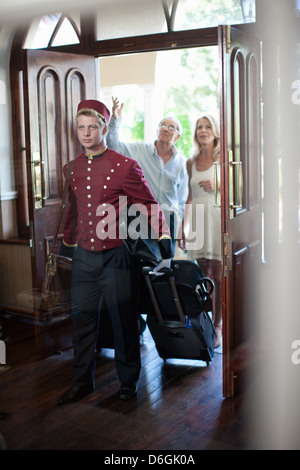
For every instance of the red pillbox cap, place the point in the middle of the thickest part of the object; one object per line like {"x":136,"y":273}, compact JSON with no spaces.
{"x":97,"y":106}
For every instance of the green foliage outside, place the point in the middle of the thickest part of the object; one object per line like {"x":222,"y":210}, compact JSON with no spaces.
{"x":137,"y":130}
{"x":190,"y":83}
{"x":191,"y":90}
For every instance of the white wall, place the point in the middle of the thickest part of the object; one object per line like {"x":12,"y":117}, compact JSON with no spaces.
{"x":276,"y":406}
{"x":6,"y":173}
{"x":7,"y":185}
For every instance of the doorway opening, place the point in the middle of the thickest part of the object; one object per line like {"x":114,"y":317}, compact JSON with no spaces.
{"x":182,"y":82}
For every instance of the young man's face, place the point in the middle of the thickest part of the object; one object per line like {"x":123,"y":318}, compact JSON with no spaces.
{"x":90,"y":133}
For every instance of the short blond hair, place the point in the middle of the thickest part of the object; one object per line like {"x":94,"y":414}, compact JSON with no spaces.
{"x":91,"y":113}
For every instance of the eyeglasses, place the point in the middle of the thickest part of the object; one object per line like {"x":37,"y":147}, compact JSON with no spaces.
{"x":170,"y":127}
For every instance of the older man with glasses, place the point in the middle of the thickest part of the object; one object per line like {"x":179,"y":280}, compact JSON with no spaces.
{"x":163,"y":166}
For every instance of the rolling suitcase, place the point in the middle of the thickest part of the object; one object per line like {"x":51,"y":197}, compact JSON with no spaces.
{"x":179,"y":314}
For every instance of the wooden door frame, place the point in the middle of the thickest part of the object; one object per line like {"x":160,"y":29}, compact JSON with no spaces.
{"x":236,"y":348}
{"x":150,"y":43}
{"x":19,"y":142}
{"x":224,"y":211}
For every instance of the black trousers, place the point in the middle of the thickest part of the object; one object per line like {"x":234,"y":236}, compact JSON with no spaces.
{"x":112,"y":274}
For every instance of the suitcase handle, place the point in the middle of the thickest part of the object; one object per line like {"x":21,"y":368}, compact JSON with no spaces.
{"x":203,"y":287}
{"x":147,"y":270}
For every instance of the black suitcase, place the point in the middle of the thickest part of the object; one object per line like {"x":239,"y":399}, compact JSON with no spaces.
{"x":179,"y":314}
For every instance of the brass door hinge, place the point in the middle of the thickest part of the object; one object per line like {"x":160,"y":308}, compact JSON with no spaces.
{"x":226,"y":255}
{"x":233,"y":377}
{"x":31,"y":238}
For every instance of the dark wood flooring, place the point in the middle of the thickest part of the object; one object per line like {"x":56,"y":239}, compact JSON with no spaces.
{"x":179,"y":405}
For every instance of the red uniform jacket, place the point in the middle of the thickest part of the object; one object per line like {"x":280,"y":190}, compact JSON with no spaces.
{"x":99,"y":189}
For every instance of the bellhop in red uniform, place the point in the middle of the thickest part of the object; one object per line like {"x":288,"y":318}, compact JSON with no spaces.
{"x":101,"y":181}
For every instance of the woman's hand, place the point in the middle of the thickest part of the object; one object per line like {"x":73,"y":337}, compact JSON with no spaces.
{"x":181,"y":242}
{"x":207,"y":185}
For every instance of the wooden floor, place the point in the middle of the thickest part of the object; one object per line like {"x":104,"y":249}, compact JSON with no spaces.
{"x":179,"y":405}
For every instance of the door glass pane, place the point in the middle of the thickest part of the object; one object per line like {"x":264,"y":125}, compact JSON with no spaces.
{"x":238,"y":158}
{"x":253,"y":129}
{"x":41,"y":31}
{"x":65,"y":35}
{"x":194,"y":14}
{"x":117,"y":18}
{"x":50,"y":127}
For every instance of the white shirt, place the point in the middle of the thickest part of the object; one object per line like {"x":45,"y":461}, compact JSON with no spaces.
{"x":168,"y":182}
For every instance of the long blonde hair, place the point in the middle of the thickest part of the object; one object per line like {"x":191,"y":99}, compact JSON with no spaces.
{"x":216,"y":131}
